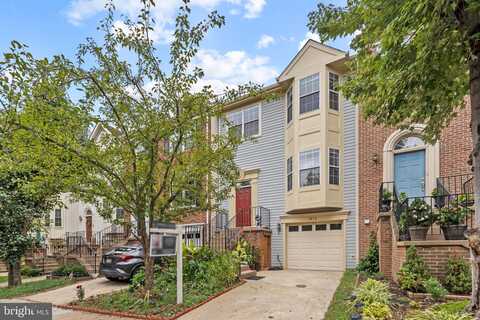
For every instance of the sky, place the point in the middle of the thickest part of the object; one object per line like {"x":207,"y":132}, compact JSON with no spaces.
{"x":259,"y":39}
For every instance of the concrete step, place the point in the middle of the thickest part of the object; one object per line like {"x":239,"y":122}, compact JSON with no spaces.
{"x":248,"y":274}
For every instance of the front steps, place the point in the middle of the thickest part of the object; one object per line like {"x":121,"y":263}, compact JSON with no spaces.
{"x":246,"y":272}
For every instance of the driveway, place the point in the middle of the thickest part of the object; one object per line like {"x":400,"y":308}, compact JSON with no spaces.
{"x":289,"y":294}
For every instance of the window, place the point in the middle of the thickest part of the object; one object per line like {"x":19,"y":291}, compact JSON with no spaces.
{"x":336,"y":226}
{"x":58,"y":217}
{"x":309,"y":168}
{"x":47,"y":220}
{"x":289,"y":174}
{"x":309,"y":93}
{"x":333,"y":91}
{"x":251,"y":122}
{"x":320,"y":227}
{"x":334,"y":166}
{"x":292,"y":228}
{"x":245,"y":123}
{"x":289,"y":105}
{"x":409,"y":142}
{"x":119,"y":213}
{"x":307,"y":227}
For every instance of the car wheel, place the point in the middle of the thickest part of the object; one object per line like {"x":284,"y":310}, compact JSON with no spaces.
{"x":135,"y":271}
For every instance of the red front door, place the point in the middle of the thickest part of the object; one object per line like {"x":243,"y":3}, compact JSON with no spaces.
{"x":243,"y":207}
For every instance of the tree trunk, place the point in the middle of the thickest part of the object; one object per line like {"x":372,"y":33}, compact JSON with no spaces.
{"x":145,"y":239}
{"x":474,"y":235}
{"x":14,"y":275}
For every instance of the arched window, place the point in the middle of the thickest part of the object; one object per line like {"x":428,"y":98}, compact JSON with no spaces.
{"x":409,"y":142}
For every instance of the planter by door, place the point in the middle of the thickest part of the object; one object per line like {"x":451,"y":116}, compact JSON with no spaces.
{"x":418,"y":233}
{"x":454,"y":232}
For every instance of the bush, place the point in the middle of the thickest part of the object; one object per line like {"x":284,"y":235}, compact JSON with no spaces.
{"x":371,"y":291}
{"x":247,"y":253}
{"x":377,"y":311}
{"x":370,"y":263}
{"x":458,"y":278}
{"x":439,"y":315}
{"x":435,"y":288}
{"x":28,"y":271}
{"x":413,"y":272}
{"x":76,"y":269}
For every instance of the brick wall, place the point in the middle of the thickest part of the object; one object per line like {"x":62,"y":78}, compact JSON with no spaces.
{"x":261,"y":239}
{"x":455,"y":148}
{"x":371,"y":141}
{"x":198,"y":217}
{"x":456,"y":144}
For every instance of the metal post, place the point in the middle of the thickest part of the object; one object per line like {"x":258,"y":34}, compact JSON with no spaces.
{"x":179,"y":266}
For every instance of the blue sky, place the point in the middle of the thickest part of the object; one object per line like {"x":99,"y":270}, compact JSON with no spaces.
{"x":257,"y":42}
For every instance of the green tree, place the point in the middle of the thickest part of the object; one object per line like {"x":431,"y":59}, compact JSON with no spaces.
{"x":156,"y":155}
{"x":22,"y":211}
{"x":415,"y":61}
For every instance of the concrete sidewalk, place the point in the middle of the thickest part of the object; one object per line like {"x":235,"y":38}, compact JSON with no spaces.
{"x":68,"y":294}
{"x":24,"y":280}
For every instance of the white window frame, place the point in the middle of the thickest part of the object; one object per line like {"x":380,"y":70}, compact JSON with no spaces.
{"x":333,"y":91}
{"x":59,"y":211}
{"x":242,"y":111}
{"x":300,"y":168}
{"x":300,"y":96}
{"x":289,"y":104}
{"x":290,"y":174}
{"x":333,"y":166}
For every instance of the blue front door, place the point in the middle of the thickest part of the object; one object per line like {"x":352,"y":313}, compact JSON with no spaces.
{"x":410,"y":173}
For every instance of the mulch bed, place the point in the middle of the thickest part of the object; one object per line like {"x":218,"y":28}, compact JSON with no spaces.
{"x":149,"y":317}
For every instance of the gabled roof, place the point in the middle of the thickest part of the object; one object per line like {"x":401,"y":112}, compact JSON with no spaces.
{"x":311,"y":43}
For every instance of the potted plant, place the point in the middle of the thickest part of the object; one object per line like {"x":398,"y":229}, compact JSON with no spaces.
{"x":438,"y":198}
{"x":452,"y":221}
{"x":386,"y":201}
{"x":466,"y":199}
{"x":420,"y":218}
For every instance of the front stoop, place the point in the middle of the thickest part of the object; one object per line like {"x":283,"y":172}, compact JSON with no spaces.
{"x":246,"y":272}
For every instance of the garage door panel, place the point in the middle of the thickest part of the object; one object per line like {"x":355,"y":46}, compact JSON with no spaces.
{"x":316,"y":250}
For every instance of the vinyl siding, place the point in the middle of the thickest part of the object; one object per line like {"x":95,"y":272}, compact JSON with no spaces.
{"x":267,"y":154}
{"x":350,"y":181}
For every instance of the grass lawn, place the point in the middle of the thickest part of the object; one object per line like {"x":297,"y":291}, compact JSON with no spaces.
{"x":339,"y":308}
{"x":3,"y":278}
{"x":159,"y":305}
{"x":452,"y":307}
{"x":32,"y":287}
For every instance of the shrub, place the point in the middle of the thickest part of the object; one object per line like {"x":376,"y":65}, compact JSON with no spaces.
{"x":420,"y":214}
{"x":458,"y":278}
{"x":413,"y":272}
{"x":28,"y":271}
{"x":370,"y":263}
{"x":377,"y":311}
{"x":76,"y":269}
{"x":435,"y":288}
{"x":439,"y":315}
{"x":246,"y":253}
{"x":371,"y":291}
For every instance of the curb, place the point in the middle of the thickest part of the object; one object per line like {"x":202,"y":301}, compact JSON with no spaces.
{"x":147,"y":317}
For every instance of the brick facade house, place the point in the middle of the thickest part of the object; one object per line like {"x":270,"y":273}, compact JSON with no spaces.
{"x":377,"y":163}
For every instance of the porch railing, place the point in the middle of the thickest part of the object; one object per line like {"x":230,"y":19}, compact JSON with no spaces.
{"x":456,"y":184}
{"x":434,"y":212}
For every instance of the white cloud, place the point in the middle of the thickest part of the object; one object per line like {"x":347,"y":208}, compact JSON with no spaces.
{"x":308,"y":36}
{"x":233,"y":68}
{"x":265,"y":41}
{"x":234,"y":12}
{"x":253,"y":8}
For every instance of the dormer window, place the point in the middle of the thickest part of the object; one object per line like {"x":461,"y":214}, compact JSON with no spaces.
{"x":309,"y":93}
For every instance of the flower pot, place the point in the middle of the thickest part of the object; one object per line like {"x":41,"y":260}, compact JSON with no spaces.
{"x":418,"y":233}
{"x":386,"y":205}
{"x":454,"y":232}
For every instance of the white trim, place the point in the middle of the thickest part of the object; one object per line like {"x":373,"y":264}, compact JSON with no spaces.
{"x":432,"y":157}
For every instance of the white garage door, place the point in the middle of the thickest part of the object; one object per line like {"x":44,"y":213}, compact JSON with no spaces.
{"x":315,"y":246}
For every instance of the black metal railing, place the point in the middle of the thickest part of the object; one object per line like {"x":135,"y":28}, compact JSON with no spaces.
{"x":432,"y":215}
{"x":255,"y":216}
{"x":111,"y":235}
{"x":387,"y":197}
{"x":456,"y":184}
